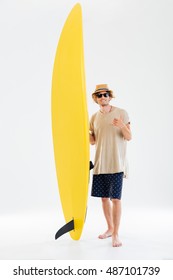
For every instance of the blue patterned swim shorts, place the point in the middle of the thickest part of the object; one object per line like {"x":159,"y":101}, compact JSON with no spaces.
{"x":107,"y":185}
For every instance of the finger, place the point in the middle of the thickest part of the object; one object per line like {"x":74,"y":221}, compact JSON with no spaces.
{"x":115,"y":120}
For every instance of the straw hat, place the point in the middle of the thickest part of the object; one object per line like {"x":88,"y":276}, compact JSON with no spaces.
{"x":102,"y":87}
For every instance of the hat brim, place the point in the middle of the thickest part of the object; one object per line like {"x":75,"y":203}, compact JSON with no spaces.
{"x":98,"y":91}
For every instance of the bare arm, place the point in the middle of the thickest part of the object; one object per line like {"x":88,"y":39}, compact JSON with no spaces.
{"x":126,"y":131}
{"x":91,"y":138}
{"x":125,"y":128}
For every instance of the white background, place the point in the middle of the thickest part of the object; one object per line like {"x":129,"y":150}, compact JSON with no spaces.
{"x":128,"y":44}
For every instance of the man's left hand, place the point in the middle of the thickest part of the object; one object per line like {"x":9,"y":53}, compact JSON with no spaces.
{"x":118,"y":123}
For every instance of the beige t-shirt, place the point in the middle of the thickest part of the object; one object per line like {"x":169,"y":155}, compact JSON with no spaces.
{"x":110,"y":156}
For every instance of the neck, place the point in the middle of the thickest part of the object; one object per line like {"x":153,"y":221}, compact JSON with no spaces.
{"x":106,"y":108}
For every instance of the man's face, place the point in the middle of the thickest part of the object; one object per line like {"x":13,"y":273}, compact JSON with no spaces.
{"x":103,"y":98}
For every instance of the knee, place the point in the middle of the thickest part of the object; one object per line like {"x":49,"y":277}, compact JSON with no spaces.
{"x":105,"y":199}
{"x":116,"y":201}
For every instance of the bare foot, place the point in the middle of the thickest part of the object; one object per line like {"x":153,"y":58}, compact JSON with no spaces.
{"x":107,"y":234}
{"x":115,"y":241}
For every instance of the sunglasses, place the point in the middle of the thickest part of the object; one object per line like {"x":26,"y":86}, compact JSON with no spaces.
{"x":99,"y":95}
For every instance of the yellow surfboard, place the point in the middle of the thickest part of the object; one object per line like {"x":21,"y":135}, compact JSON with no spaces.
{"x":70,"y":124}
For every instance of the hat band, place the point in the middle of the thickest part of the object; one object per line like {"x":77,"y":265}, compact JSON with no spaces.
{"x":102,"y":89}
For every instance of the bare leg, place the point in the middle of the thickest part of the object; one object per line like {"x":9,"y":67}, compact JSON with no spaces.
{"x":116,"y":213}
{"x":107,"y":210}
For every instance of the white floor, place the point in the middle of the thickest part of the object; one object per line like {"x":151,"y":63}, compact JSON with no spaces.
{"x":145,"y":234}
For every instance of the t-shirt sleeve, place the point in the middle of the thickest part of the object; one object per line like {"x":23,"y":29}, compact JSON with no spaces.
{"x":125,"y":117}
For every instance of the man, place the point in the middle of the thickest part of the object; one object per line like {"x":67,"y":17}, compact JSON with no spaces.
{"x":109,"y":131}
